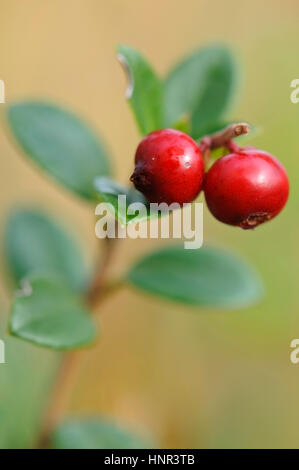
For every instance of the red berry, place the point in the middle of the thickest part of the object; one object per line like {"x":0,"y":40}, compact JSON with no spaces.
{"x":168,"y":167}
{"x":246,"y":188}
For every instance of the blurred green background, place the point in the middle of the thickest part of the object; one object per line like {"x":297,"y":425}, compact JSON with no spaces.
{"x":190,"y":378}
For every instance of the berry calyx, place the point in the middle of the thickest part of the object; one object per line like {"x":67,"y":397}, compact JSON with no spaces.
{"x":246,"y":188}
{"x":169,"y":167}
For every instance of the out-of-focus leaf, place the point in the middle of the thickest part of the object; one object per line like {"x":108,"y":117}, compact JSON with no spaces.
{"x":144,"y":89}
{"x":35,"y":242}
{"x":25,"y":382}
{"x":211,"y":128}
{"x":47,"y":313}
{"x":183,"y":124}
{"x":94,"y":433}
{"x":200,"y":85}
{"x":109,"y":192}
{"x":206,"y":277}
{"x":60,"y":143}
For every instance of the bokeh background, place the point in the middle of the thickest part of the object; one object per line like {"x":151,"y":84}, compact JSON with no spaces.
{"x":189,"y":378}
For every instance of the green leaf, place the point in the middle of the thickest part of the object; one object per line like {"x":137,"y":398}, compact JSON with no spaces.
{"x":25,"y":382}
{"x":94,"y":433}
{"x":35,"y":242}
{"x":200,"y":85}
{"x":47,"y":313}
{"x":144,"y":89}
{"x":60,"y":143}
{"x":109,"y":191}
{"x":183,"y":124}
{"x":206,"y":277}
{"x":216,"y":126}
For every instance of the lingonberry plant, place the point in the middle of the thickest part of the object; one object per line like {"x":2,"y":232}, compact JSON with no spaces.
{"x":181,"y":119}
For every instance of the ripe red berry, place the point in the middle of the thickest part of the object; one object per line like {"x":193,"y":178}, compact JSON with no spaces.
{"x":246,"y":188}
{"x":168,"y":167}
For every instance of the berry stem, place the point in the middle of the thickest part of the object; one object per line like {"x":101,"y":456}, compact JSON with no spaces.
{"x":232,"y":146}
{"x":223,"y":138}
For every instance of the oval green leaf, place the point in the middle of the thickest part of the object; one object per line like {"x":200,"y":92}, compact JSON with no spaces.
{"x":202,"y":86}
{"x":47,"y":313}
{"x":144,"y":90}
{"x":207,"y":277}
{"x":36,"y":242}
{"x":94,"y":433}
{"x":60,"y":143}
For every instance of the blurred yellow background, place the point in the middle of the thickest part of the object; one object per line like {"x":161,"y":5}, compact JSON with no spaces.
{"x":190,"y":378}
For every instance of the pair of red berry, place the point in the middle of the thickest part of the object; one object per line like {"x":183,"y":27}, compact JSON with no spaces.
{"x":244,"y":188}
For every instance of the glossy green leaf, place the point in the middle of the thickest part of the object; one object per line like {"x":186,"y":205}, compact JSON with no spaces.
{"x":94,"y":433}
{"x":35,"y":242}
{"x":206,"y":277}
{"x":47,"y":313}
{"x":60,"y":143}
{"x":200,"y":85}
{"x":144,"y":90}
{"x":109,"y":192}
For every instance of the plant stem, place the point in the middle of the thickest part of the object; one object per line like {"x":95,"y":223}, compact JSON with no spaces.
{"x":66,"y":377}
{"x":223,"y":138}
{"x":70,"y":365}
{"x":96,"y":288}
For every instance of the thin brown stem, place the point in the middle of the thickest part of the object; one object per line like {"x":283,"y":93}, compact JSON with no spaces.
{"x":95,"y":291}
{"x":223,"y":138}
{"x":70,"y":365}
{"x":66,"y":377}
